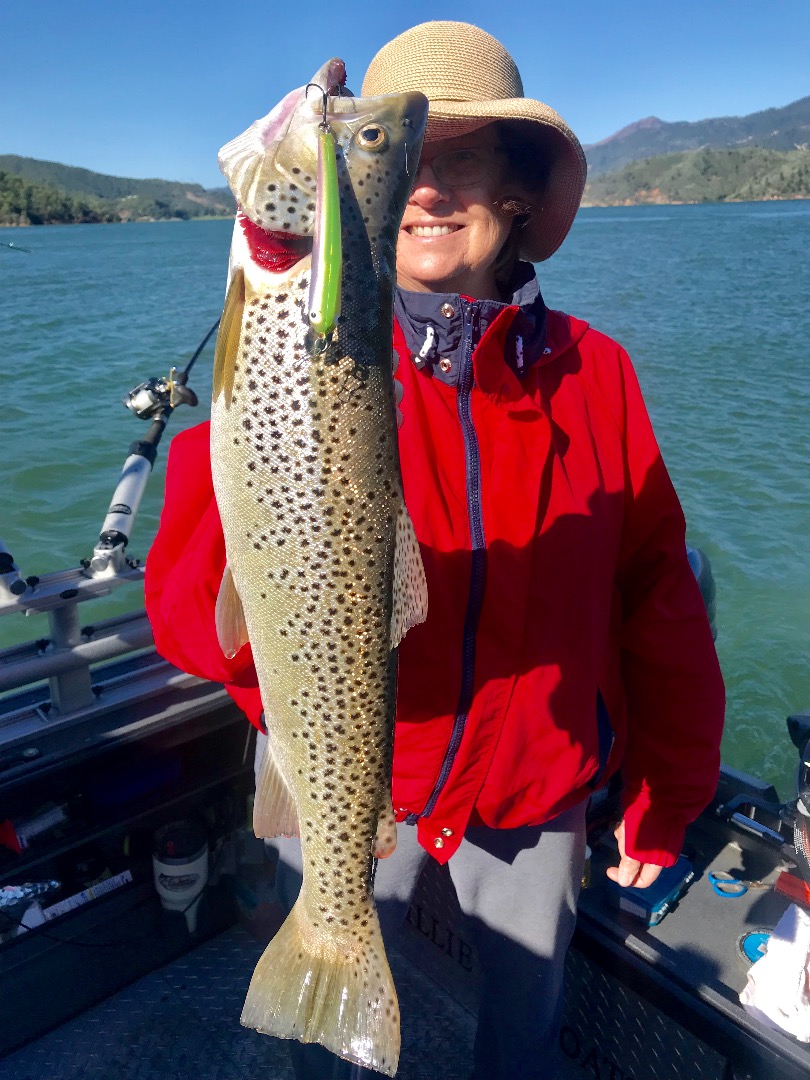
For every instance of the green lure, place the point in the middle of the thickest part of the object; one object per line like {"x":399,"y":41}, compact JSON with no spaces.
{"x":327,"y":255}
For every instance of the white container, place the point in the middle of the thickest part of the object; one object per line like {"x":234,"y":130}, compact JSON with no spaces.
{"x":180,"y":863}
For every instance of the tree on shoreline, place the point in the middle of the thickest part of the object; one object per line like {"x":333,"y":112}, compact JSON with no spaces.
{"x":23,"y":202}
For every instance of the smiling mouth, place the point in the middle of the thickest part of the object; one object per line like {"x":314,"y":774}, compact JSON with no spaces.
{"x":431,"y":230}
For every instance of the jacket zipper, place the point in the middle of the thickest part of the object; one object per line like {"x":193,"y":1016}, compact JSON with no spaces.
{"x":478,"y":568}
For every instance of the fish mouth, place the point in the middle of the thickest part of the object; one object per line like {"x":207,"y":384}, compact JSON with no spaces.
{"x":273,"y":251}
{"x":430,"y":230}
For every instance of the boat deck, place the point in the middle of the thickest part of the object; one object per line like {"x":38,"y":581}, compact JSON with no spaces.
{"x":639,"y":1003}
{"x":182,"y":1022}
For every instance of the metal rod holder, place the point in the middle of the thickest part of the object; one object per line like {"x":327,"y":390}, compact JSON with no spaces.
{"x":70,"y":689}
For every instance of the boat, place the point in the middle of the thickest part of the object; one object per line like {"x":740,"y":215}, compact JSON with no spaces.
{"x":107,"y":970}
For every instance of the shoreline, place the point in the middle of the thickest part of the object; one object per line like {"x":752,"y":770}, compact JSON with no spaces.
{"x":589,"y":205}
{"x":125,"y":221}
{"x":586,"y":204}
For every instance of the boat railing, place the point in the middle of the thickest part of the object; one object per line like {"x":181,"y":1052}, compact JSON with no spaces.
{"x":65,"y":655}
{"x":64,"y":658}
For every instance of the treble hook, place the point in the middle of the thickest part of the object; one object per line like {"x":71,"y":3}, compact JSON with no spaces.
{"x":324,"y":124}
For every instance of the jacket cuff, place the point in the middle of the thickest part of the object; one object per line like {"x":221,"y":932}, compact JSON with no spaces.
{"x":651,"y":836}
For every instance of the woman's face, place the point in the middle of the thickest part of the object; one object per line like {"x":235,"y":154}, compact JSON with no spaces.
{"x":450,"y":237}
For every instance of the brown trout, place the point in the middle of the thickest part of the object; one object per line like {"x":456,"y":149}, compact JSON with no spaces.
{"x":324,"y":574}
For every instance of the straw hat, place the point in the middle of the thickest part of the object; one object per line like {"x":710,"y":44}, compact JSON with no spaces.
{"x":471,"y":80}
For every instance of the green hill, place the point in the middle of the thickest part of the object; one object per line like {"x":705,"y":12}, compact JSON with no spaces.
{"x":698,"y":176}
{"x":36,"y":192}
{"x":784,"y":128}
{"x":45,"y":192}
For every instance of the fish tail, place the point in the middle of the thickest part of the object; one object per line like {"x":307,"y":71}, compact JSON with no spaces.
{"x":307,"y":988}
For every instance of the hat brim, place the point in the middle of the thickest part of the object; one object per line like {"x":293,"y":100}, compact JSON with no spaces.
{"x":559,"y":157}
{"x":470,"y":80}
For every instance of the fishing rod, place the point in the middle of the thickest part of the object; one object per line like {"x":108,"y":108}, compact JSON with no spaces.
{"x":154,"y":400}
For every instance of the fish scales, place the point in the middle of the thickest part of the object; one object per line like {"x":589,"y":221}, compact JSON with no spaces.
{"x":323,"y":569}
{"x":319,"y":475}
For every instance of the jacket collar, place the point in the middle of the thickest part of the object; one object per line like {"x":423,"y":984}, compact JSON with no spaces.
{"x":437,"y":326}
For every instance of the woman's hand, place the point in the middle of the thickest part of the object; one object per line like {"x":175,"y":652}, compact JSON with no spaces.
{"x":631,"y":871}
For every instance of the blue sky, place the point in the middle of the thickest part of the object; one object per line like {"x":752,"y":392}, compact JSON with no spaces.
{"x":148,"y":88}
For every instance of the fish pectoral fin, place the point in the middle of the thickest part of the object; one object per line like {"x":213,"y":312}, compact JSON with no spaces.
{"x":309,"y":986}
{"x":410,"y":585}
{"x":385,"y":841}
{"x":230,"y":618}
{"x":230,"y":333}
{"x":274,"y":809}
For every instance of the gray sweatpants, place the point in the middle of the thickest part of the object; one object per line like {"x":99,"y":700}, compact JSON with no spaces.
{"x":518,"y":889}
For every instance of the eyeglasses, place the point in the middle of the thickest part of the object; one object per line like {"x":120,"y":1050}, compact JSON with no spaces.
{"x":463,"y":168}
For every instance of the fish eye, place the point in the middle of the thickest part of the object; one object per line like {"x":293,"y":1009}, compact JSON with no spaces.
{"x":372,"y":137}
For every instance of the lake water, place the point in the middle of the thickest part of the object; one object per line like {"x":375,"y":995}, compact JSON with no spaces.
{"x":710,"y":301}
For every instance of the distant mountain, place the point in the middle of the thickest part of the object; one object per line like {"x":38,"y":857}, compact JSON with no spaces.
{"x":104,"y":198}
{"x":786,"y":128}
{"x":694,"y":176}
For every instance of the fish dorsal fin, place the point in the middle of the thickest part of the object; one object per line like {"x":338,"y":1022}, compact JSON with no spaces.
{"x":410,"y":586}
{"x":230,"y":331}
{"x":274,"y":809}
{"x":230,"y":618}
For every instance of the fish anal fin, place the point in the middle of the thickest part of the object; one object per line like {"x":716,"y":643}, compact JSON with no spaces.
{"x":385,"y":841}
{"x":230,"y":332}
{"x":308,"y":988}
{"x":274,"y":809}
{"x":230,"y":618}
{"x":410,"y":586}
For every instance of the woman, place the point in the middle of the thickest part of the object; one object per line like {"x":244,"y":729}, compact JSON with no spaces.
{"x":566,"y":636}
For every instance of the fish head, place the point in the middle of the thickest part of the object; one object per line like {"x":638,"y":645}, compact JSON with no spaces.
{"x":378,"y":141}
{"x":272,"y":167}
{"x":267,"y":184}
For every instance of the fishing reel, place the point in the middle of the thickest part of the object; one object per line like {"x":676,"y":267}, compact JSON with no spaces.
{"x":153,"y":396}
{"x":799,"y":729}
{"x":760,"y":813}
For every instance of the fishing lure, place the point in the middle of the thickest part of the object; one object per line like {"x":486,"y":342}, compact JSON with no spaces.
{"x":327,"y":256}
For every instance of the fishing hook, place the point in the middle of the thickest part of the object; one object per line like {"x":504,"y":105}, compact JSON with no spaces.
{"x":324,"y":124}
{"x":353,"y":381}
{"x":319,"y":345}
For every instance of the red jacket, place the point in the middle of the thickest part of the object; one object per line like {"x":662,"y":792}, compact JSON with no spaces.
{"x":566,"y":634}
